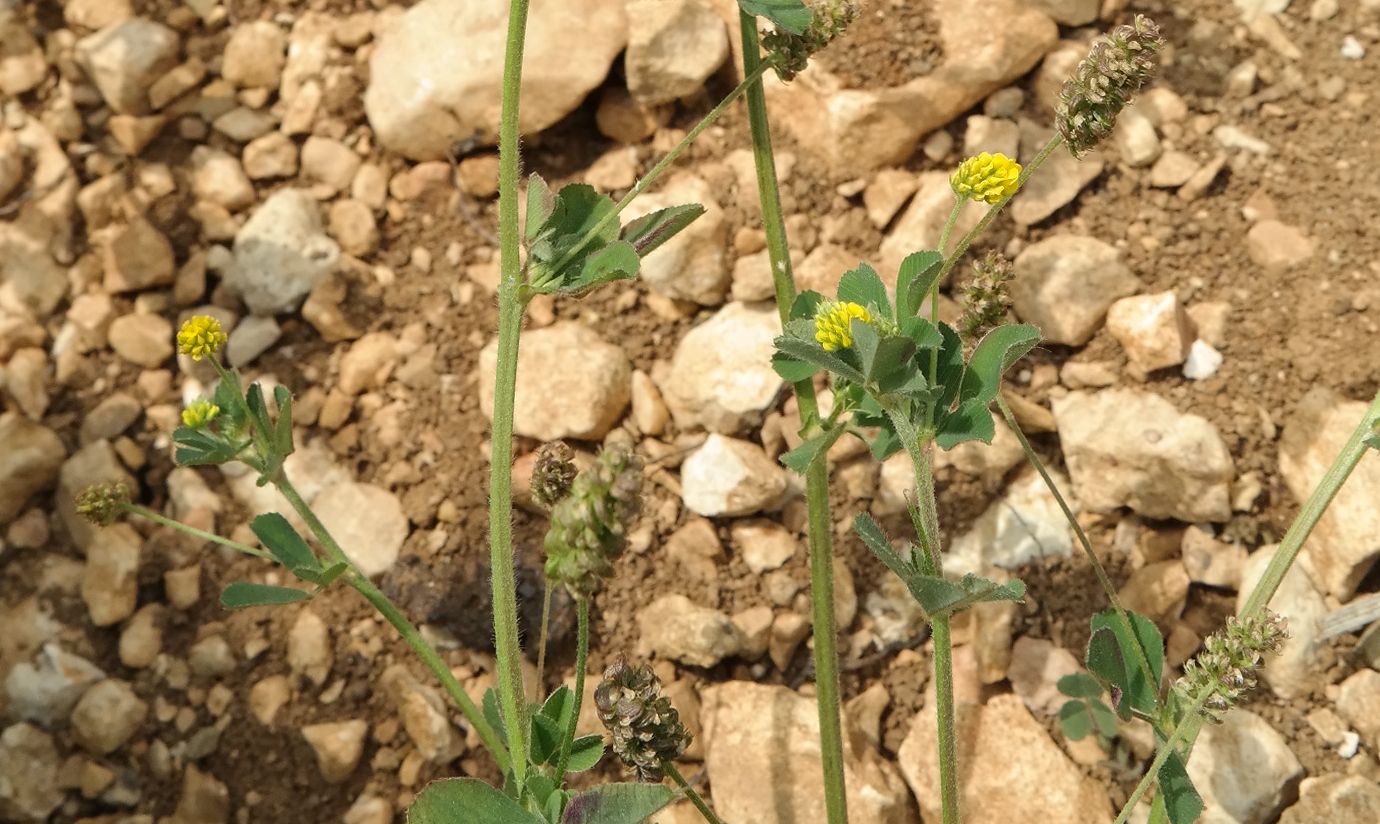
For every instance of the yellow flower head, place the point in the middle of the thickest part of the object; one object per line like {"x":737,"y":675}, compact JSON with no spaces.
{"x":199,"y":413}
{"x":200,"y":336}
{"x":987,"y":177}
{"x":832,"y":324}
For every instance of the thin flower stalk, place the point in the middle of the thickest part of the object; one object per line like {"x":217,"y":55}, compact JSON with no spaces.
{"x":819,"y":523}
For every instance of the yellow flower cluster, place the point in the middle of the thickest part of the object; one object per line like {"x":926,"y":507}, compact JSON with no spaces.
{"x":990,"y":178}
{"x":833,"y":324}
{"x":199,"y":413}
{"x":200,"y":336}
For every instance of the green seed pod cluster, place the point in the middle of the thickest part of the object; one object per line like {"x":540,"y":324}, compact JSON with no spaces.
{"x":1118,"y":66}
{"x":645,"y":728}
{"x":589,"y":525}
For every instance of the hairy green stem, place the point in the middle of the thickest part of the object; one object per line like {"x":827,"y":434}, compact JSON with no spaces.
{"x":405,"y":628}
{"x":545,"y":631}
{"x":690,"y":793}
{"x":1317,"y":503}
{"x":1186,"y":729}
{"x":145,"y":512}
{"x":662,"y":165}
{"x":507,"y":646}
{"x":1099,"y":570}
{"x":819,"y":522}
{"x":581,"y":663}
{"x":927,"y":524}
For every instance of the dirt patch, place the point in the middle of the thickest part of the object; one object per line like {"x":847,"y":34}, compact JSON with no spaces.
{"x":889,"y":44}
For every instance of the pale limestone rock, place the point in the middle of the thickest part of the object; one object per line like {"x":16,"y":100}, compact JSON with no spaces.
{"x":1059,"y":182}
{"x":920,"y":225}
{"x":1154,"y":330}
{"x":107,"y":716}
{"x":721,"y":376}
{"x":309,"y":650}
{"x":1358,"y":702}
{"x":862,"y":129}
{"x":1292,"y":671}
{"x":1243,"y":769}
{"x":1034,"y":671}
{"x":144,"y":340}
{"x":1131,"y":448}
{"x":1136,"y":139}
{"x":436,"y":73}
{"x":1211,"y":562}
{"x":46,"y":689}
{"x":92,"y":464}
{"x":367,"y":520}
{"x":1026,"y":524}
{"x":762,"y":756}
{"x":281,"y":253}
{"x":255,"y":55}
{"x":1157,"y":591}
{"x":110,"y":581}
{"x":676,"y":628}
{"x":764,"y":545}
{"x":30,"y":457}
{"x":1064,"y":285}
{"x":423,"y":716}
{"x":889,"y":190}
{"x":338,"y":747}
{"x":137,"y":256}
{"x":1346,"y":542}
{"x":124,"y":59}
{"x":726,"y":476}
{"x":674,"y":46}
{"x":1278,"y":247}
{"x":1336,"y":799}
{"x":1018,"y":772}
{"x":29,"y":770}
{"x":571,"y":383}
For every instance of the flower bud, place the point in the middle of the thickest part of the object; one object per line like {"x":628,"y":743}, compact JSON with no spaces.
{"x":103,"y":504}
{"x":645,"y":728}
{"x":200,"y":336}
{"x":833,"y":323}
{"x":553,"y":474}
{"x":199,"y":413}
{"x":990,"y":178}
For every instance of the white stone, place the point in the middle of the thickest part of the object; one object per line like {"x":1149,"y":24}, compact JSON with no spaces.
{"x":1203,"y":361}
{"x":721,"y":376}
{"x":763,"y":760}
{"x":29,"y":771}
{"x":921,"y":224}
{"x":676,"y":628}
{"x":30,"y":457}
{"x":367,"y":521}
{"x":250,"y":338}
{"x":1035,"y":669}
{"x":281,"y":253}
{"x":1136,"y":139}
{"x":1154,"y":330}
{"x":726,"y":476}
{"x":1243,"y":769}
{"x":218,"y":177}
{"x":764,"y":545}
{"x":1061,"y":178}
{"x":1065,"y":284}
{"x":1358,"y":701}
{"x":1336,"y":799}
{"x":1026,"y":524}
{"x":1345,"y":544}
{"x":1131,"y":448}
{"x":110,"y":581}
{"x":309,"y":650}
{"x":693,"y":265}
{"x":46,"y":689}
{"x":436,"y":73}
{"x":673,"y":47}
{"x":571,"y":383}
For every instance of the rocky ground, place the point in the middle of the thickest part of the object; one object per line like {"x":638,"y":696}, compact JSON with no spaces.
{"x":320,"y":177}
